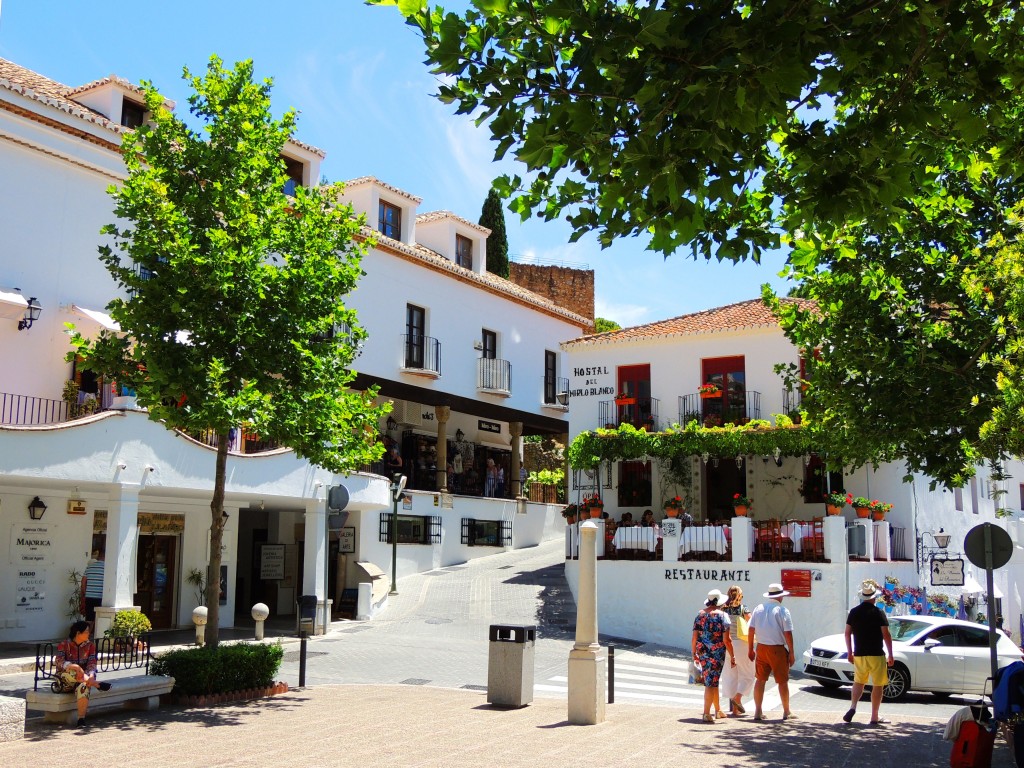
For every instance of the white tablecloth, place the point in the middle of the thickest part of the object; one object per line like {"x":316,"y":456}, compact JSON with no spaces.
{"x":636,"y":538}
{"x":796,"y":533}
{"x":704,"y":538}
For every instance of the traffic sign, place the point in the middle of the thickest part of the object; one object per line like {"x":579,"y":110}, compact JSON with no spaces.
{"x":1001,"y":547}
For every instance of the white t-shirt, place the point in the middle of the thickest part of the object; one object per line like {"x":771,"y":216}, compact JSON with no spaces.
{"x":769,"y":621}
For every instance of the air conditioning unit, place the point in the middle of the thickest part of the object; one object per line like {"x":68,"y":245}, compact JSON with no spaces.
{"x":409,"y":414}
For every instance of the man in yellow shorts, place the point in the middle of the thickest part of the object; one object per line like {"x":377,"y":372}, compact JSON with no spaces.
{"x":867,"y":629}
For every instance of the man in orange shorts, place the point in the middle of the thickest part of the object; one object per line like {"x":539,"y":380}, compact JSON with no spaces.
{"x":867,"y":629}
{"x":771,"y":629}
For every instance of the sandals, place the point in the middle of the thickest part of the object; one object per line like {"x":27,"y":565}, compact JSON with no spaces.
{"x":881,"y":721}
{"x":760,"y":718}
{"x":709,"y":718}
{"x":738,"y":708}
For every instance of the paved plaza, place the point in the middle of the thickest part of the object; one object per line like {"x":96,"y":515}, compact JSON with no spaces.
{"x":409,"y":689}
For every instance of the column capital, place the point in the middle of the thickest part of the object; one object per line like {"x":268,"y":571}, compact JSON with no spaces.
{"x":442,"y":412}
{"x":515,"y":428}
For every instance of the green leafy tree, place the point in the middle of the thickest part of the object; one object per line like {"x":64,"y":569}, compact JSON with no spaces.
{"x":724,"y":125}
{"x":878,"y":144}
{"x":493,"y":217}
{"x":601,"y":325}
{"x":234,"y":313}
{"x":916,"y":336}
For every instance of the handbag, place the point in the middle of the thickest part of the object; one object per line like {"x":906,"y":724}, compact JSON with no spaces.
{"x":696,"y":674}
{"x":742,"y":628}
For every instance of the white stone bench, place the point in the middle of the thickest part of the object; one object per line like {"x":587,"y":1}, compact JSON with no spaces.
{"x":12,"y":718}
{"x":138,"y":692}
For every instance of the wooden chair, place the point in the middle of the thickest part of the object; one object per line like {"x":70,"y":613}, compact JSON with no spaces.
{"x":771,"y":546}
{"x":813,"y":547}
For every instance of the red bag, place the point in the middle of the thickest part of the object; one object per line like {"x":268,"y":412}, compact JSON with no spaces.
{"x":973,"y":747}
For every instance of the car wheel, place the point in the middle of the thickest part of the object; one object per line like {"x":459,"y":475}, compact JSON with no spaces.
{"x":941,"y":695}
{"x":830,"y":684}
{"x":899,"y":684}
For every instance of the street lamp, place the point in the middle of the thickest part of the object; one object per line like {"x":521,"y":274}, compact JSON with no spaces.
{"x":397,"y":486}
{"x":938,"y":546}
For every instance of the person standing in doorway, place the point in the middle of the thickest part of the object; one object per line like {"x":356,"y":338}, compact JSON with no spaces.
{"x":491,"y":479}
{"x":770,"y":647}
{"x":867,"y":629}
{"x":93,"y":578}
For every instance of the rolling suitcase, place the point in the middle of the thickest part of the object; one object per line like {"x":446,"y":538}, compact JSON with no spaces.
{"x":973,"y":747}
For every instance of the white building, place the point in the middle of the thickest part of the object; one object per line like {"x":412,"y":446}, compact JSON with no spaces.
{"x":112,"y":479}
{"x":649,"y":376}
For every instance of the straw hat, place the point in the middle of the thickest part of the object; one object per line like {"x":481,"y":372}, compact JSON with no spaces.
{"x":869,"y":590}
{"x":775,"y":590}
{"x":714,"y":597}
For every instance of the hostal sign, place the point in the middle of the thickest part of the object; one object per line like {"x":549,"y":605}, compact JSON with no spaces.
{"x":595,"y":382}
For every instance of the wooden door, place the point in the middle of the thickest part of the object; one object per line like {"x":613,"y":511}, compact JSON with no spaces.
{"x":156,"y":570}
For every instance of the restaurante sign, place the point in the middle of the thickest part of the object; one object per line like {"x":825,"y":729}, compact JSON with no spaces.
{"x":705,"y":574}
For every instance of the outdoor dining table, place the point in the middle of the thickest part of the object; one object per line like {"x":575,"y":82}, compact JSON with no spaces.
{"x":636,"y":538}
{"x":796,"y":531}
{"x":705,"y":538}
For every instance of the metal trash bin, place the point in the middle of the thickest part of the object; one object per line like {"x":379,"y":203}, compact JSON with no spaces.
{"x":510,"y":662}
{"x":307,"y":614}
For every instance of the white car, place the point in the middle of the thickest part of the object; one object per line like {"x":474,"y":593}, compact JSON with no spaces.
{"x":932,"y":653}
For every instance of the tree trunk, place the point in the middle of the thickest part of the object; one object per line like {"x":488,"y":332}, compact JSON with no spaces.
{"x":216,"y":542}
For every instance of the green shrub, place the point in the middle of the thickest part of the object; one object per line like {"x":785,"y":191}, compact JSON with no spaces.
{"x":203,"y":671}
{"x":129,"y":623}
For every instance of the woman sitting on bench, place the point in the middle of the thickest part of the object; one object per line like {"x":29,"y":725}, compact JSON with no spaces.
{"x":75,"y":661}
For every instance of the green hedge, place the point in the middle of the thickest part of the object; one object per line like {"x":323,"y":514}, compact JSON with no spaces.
{"x":203,"y":671}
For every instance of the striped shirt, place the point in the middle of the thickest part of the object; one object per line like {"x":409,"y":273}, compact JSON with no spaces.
{"x":94,"y":579}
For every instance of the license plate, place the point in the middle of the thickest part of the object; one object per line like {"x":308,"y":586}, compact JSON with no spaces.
{"x":813,"y":662}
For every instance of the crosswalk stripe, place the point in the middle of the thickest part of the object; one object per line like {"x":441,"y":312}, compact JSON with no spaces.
{"x":624,"y":687}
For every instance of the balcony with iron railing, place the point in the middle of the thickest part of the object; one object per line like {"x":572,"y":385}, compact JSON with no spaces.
{"x":421,"y":355}
{"x":27,"y":411}
{"x":734,"y":408}
{"x":640,"y":412}
{"x":792,"y":401}
{"x":494,"y":376}
{"x":556,"y":391}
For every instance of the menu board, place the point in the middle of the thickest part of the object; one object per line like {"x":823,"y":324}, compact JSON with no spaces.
{"x":797,"y":582}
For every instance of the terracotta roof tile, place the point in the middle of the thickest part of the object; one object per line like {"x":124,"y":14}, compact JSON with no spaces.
{"x":34,"y":86}
{"x":374,"y":180}
{"x":426,"y":218}
{"x":126,"y":84}
{"x":732,"y":317}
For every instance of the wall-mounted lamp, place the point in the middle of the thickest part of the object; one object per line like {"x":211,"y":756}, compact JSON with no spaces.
{"x":392,"y":425}
{"x":940,"y":541}
{"x":459,"y":434}
{"x":36,"y":508}
{"x":31,"y":314}
{"x":122,"y":465}
{"x":704,"y":457}
{"x":562,"y":398}
{"x":739,"y":462}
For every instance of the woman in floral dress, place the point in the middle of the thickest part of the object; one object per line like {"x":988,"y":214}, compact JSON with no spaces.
{"x":711,"y":642}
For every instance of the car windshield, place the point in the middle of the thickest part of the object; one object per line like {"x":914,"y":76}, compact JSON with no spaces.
{"x":906,"y":630}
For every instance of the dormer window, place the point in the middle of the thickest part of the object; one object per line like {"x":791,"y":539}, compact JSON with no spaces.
{"x":293,"y":168}
{"x":463,"y":251}
{"x":133,"y":114}
{"x":390,"y":220}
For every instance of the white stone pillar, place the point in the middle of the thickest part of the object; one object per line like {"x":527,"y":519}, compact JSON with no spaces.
{"x":835,"y":539}
{"x":671,"y":530}
{"x":600,"y":541}
{"x":121,"y":555}
{"x":742,"y":532}
{"x":442,"y":413}
{"x":587,"y":670}
{"x":315,"y":557}
{"x":515,"y":430}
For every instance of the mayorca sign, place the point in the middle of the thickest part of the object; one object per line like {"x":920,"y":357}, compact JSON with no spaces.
{"x":32,"y":544}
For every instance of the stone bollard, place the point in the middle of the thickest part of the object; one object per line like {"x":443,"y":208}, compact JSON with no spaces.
{"x":199,"y":619}
{"x":260,"y":612}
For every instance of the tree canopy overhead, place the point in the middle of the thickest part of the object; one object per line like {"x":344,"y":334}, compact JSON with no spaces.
{"x":725,"y":126}
{"x":234,"y":312}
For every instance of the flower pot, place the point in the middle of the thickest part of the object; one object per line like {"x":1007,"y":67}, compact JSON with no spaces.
{"x":596,"y":511}
{"x":878,"y":515}
{"x":671,"y":512}
{"x":833,"y":509}
{"x":709,"y":395}
{"x":570,"y":520}
{"x":864,"y":512}
{"x":625,"y":401}
{"x":741,"y":510}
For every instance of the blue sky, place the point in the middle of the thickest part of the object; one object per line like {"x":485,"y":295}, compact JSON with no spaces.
{"x":356,"y":75}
